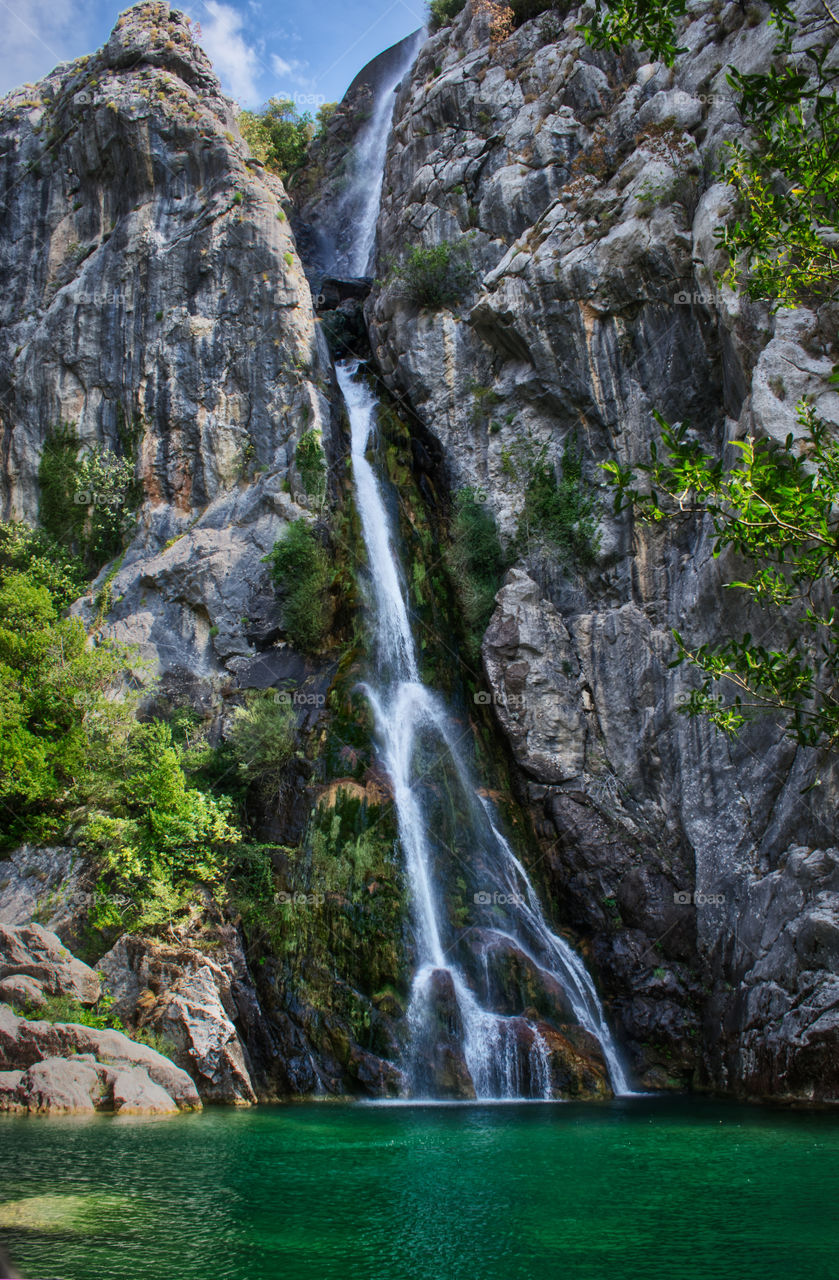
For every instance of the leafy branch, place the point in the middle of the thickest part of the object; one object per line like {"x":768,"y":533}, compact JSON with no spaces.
{"x":777,"y":510}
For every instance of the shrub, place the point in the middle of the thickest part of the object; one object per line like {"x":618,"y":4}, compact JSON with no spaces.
{"x":88,"y":502}
{"x":279,"y":137}
{"x":560,"y":510}
{"x":477,"y":563}
{"x":311,"y":463}
{"x":436,"y":276}
{"x":442,"y":12}
{"x":263,"y":738}
{"x":300,"y":568}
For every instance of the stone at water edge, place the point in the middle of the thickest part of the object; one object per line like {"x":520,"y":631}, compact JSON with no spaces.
{"x":23,"y":1043}
{"x":191,"y":999}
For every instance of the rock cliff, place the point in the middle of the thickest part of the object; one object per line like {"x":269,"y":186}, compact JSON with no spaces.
{"x":579,"y":188}
{"x":153,"y":297}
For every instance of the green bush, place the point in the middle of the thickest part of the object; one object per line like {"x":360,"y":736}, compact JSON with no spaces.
{"x":437,"y":276}
{"x":74,"y":758}
{"x":560,"y":510}
{"x":279,"y":137}
{"x":88,"y":503}
{"x":442,"y":12}
{"x":263,"y":738}
{"x":300,"y":568}
{"x":477,"y":564}
{"x":311,"y":463}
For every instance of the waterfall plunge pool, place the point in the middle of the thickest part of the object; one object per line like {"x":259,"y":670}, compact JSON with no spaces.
{"x":675,"y":1188}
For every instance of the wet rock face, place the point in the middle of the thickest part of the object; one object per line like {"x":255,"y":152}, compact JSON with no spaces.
{"x":152,"y":297}
{"x":577,"y":187}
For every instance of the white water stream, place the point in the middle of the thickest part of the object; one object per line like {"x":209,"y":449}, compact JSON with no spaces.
{"x":506,"y":1055}
{"x":407,"y":711}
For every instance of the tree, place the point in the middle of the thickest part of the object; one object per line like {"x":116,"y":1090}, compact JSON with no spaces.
{"x":777,"y":510}
{"x":279,"y":137}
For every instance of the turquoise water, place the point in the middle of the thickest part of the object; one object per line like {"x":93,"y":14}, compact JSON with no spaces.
{"x":636,"y":1190}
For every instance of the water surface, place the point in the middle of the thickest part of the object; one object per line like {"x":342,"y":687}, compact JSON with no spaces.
{"x":645,"y":1188}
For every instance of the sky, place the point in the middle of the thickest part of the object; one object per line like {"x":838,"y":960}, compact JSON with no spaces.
{"x":303,"y":49}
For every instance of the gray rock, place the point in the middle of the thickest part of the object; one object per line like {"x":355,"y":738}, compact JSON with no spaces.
{"x":20,"y":989}
{"x":191,"y":999}
{"x":29,"y":950}
{"x":49,"y":885}
{"x":134,"y":1093}
{"x":58,"y":1085}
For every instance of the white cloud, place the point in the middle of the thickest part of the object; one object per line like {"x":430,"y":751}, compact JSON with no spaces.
{"x":38,"y":34}
{"x":236,"y":62}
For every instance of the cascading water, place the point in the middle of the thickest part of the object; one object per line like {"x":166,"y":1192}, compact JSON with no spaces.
{"x":358,"y":208}
{"x":459,"y":1013}
{"x":506,"y":1055}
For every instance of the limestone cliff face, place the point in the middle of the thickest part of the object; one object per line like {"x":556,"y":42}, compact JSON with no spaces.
{"x":582,"y":188}
{"x":152,"y":294}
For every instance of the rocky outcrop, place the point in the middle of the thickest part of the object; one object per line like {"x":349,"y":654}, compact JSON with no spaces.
{"x":65,"y":1066}
{"x":191,"y":1000}
{"x":152,"y":298}
{"x":80,"y":1084}
{"x":34,"y":963}
{"x":49,"y":885}
{"x":577,"y":187}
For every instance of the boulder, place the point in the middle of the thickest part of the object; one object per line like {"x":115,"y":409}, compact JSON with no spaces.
{"x":134,"y":1092}
{"x":24,"y":1043}
{"x":29,"y":950}
{"x":19,"y":989}
{"x":192,"y":1000}
{"x":62,"y":1085}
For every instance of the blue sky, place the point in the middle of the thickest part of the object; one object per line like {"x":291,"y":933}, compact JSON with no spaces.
{"x":260,"y":48}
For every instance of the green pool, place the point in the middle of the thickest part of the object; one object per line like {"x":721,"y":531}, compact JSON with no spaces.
{"x":636,"y":1190}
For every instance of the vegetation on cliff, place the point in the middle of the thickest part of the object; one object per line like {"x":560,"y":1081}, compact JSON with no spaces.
{"x":279,"y":136}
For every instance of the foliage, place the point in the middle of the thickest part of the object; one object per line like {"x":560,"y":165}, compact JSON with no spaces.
{"x":651,"y":23}
{"x":57,"y":696}
{"x":263,"y":738}
{"x":300,"y":568}
{"x":279,"y":137}
{"x":501,"y":18}
{"x":785,"y":246}
{"x":477,"y":563}
{"x":154,"y":834}
{"x":74,"y":756}
{"x":442,"y":12}
{"x":47,"y":565}
{"x":560,"y":510}
{"x":435,"y":277}
{"x":66,"y":1009}
{"x":88,"y":502}
{"x":778,"y":511}
{"x":311,"y":463}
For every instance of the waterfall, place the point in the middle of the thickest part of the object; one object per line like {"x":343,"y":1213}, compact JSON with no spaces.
{"x":459,"y":1008}
{"x":506,"y":1055}
{"x":358,"y":208}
